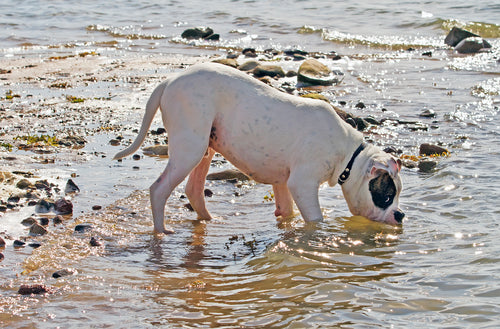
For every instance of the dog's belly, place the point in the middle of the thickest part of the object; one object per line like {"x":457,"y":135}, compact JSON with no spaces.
{"x":262,"y":158}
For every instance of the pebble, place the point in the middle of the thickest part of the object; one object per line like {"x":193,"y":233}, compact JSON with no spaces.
{"x":2,"y":242}
{"x":24,"y":184}
{"x":159,"y":150}
{"x":227,"y":61}
{"x":208,"y":193}
{"x":136,"y":157}
{"x":95,"y":242}
{"x":272,"y":71}
{"x":82,"y":228}
{"x":249,"y":52}
{"x":37,"y":229}
{"x":96,"y":207}
{"x":28,"y":221}
{"x":114,"y":142}
{"x":35,"y":245}
{"x":44,"y":221}
{"x":58,"y":219}
{"x":428,"y":114}
{"x":427,"y":166}
{"x":200,"y":33}
{"x":43,"y":206}
{"x":14,"y":198}
{"x":33,"y":289}
{"x":19,"y":243}
{"x":64,"y":272}
{"x":71,"y":187}
{"x":248,"y":66}
{"x":1,"y":256}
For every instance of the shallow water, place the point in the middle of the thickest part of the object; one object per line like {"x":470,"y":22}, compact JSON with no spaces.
{"x":243,"y":268}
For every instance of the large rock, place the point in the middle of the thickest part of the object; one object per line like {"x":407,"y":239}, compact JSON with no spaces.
{"x":314,"y":72}
{"x":430,"y":149}
{"x":227,"y":61}
{"x":248,"y":66}
{"x":471,"y":45}
{"x":34,"y":289}
{"x":465,"y":42}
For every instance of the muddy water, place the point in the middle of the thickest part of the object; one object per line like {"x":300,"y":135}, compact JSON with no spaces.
{"x":243,"y":268}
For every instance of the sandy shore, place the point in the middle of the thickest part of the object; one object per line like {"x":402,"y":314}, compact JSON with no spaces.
{"x":49,"y":106}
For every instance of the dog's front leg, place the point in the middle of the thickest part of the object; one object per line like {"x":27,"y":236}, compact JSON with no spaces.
{"x":305,"y":194}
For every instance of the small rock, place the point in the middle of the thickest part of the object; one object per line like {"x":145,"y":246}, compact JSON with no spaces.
{"x":58,"y":219}
{"x":28,"y":221}
{"x":14,"y":198}
{"x":295,"y":52}
{"x":43,"y":206}
{"x":392,"y":150}
{"x":314,"y":72}
{"x":42,"y":185}
{"x":2,"y":242}
{"x":3,"y":208}
{"x":82,"y":228}
{"x":158,"y":131}
{"x":63,"y":207}
{"x":64,"y":272}
{"x":227,"y":175}
{"x":114,"y":142}
{"x":1,"y":256}
{"x":188,"y":206}
{"x":268,"y":70}
{"x":227,"y":61}
{"x":136,"y":157}
{"x":428,"y":114}
{"x":429,"y":149}
{"x":24,"y":184}
{"x":249,"y":52}
{"x":197,"y":33}
{"x":427,"y":166}
{"x":19,"y":243}
{"x":208,"y":193}
{"x":94,"y":242}
{"x":33,"y":289}
{"x":427,"y":53}
{"x":37,"y":229}
{"x":248,"y":66}
{"x":158,"y":150}
{"x":71,"y":187}
{"x":96,"y":207}
{"x":44,"y":221}
{"x":360,"y":105}
{"x":34,"y":245}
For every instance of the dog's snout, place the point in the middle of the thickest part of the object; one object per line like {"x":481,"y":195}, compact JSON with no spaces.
{"x":399,"y":215}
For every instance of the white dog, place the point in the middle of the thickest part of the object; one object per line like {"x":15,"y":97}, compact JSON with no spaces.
{"x":293,"y":143}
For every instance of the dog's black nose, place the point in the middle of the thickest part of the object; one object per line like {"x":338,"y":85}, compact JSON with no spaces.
{"x":399,"y":215}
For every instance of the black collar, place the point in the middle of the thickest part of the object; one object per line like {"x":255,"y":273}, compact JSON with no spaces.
{"x":347,"y":171}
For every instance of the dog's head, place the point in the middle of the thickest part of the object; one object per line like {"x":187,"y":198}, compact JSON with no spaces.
{"x":374,"y":192}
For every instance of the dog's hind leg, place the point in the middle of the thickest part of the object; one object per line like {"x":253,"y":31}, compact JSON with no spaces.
{"x":195,"y":186}
{"x":283,"y":200}
{"x":186,"y":153}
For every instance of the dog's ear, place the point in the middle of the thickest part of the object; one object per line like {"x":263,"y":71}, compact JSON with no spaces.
{"x":391,"y":165}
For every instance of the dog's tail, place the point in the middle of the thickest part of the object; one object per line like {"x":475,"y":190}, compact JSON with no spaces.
{"x":151,"y":108}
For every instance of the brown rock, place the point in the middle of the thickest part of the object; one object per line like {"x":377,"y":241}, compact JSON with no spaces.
{"x":33,"y":289}
{"x":37,"y":229}
{"x":314,"y":72}
{"x":63,"y":207}
{"x":24,"y":184}
{"x":227,"y":61}
{"x":28,"y":221}
{"x":248,"y":66}
{"x":227,"y":175}
{"x":1,"y":257}
{"x":272,"y":71}
{"x":2,"y":242}
{"x":158,"y":150}
{"x":429,"y":149}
